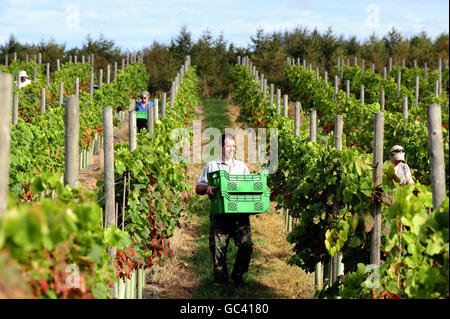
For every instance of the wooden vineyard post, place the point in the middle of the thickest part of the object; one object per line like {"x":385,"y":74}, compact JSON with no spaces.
{"x":100,"y":78}
{"x":278,"y":102}
{"x":42,"y":100}
{"x":91,"y":84}
{"x":47,"y":73}
{"x":338,"y":266}
{"x":40,"y":58}
{"x":132,"y":147}
{"x":382,"y":101}
{"x":297,"y":119}
{"x":6,"y":89}
{"x":77,"y":86}
{"x":285,"y":105}
{"x":436,"y":88}
{"x":108,"y":148}
{"x":384,"y":73}
{"x":115,"y":71}
{"x":416,"y":96}
{"x":405,"y":107}
{"x":150,"y":119}
{"x":336,"y":87}
{"x":72,"y":148}
{"x":347,"y":88}
{"x":34,"y":74}
{"x":163,"y":105}
{"x":375,"y":234}
{"x":325,"y":78}
{"x":289,"y":218}
{"x":440,"y":75}
{"x":361,"y":95}
{"x":155,"y":109}
{"x":313,"y":126}
{"x":132,"y":130}
{"x":261,"y":82}
{"x":338,"y":130}
{"x":436,"y":147}
{"x":108,"y":74}
{"x":399,"y":79}
{"x":61,"y":94}
{"x":15,"y":109}
{"x":425,"y":71}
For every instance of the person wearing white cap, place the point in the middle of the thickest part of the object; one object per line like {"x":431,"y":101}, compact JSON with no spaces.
{"x":397,"y":157}
{"x":24,"y":81}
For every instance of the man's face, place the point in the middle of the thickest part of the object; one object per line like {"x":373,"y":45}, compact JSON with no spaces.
{"x":228,"y":148}
{"x":23,"y":78}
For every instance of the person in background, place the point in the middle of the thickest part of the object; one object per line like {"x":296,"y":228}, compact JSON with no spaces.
{"x":24,"y":81}
{"x":226,"y":226}
{"x":402,"y":171}
{"x":145,"y":103}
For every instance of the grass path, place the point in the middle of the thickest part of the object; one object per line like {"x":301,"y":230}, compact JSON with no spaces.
{"x":189,"y":273}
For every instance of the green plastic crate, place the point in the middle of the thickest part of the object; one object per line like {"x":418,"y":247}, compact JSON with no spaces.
{"x":225,"y":203}
{"x":141,"y":115}
{"x":251,"y":183}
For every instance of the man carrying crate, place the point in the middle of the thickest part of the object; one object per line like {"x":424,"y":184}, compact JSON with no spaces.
{"x":226,"y":226}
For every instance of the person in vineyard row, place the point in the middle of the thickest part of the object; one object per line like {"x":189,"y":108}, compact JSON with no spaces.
{"x":402,"y":171}
{"x":143,"y":105}
{"x":396,"y":170}
{"x":24,"y":81}
{"x":226,"y":226}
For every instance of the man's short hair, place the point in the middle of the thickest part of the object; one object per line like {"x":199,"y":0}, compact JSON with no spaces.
{"x":225,"y":136}
{"x":141,"y":95}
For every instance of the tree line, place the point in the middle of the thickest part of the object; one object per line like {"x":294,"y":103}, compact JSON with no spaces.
{"x":215,"y":57}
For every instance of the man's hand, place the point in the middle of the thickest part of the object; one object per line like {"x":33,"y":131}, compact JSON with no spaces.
{"x":205,"y":189}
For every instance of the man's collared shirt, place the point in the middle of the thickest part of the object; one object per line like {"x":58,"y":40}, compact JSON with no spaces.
{"x":24,"y":84}
{"x":236,"y":168}
{"x":141,"y":108}
{"x":404,"y":173}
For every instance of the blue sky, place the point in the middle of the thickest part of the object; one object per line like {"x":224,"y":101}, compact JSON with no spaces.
{"x":136,"y":24}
